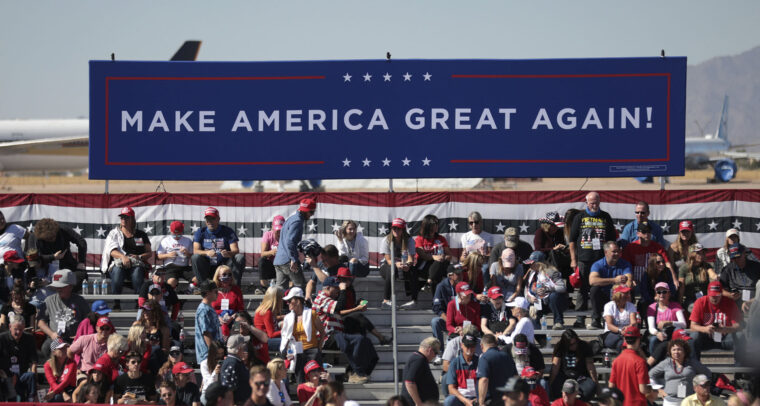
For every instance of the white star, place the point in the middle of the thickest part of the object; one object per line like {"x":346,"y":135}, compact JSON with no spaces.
{"x":713,"y":225}
{"x":453,"y":226}
{"x":77,"y":229}
{"x":387,"y":77}
{"x":194,"y":228}
{"x":426,"y":162}
{"x":265,"y":229}
{"x":500,"y":227}
{"x":148,"y":229}
{"x":407,"y":77}
{"x":737,"y":224}
{"x":242,"y":230}
{"x":523,"y":227}
{"x":618,"y":226}
{"x":359,"y":228}
{"x":366,"y":162}
{"x":101,"y":232}
{"x":758,"y":226}
{"x":427,"y":76}
{"x":665,"y":228}
{"x":406,"y":161}
{"x":382,"y":230}
{"x":386,"y":162}
{"x":335,"y":227}
{"x":346,"y":162}
{"x":30,"y":228}
{"x":312,"y":226}
{"x":367,"y":77}
{"x":346,"y":77}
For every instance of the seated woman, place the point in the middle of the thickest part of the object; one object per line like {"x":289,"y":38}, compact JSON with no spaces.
{"x":354,"y":322}
{"x":403,"y":256}
{"x":472,"y":273}
{"x":268,"y":315}
{"x":694,"y":276}
{"x":546,"y":289}
{"x":679,"y":249}
{"x":462,"y":310}
{"x":230,"y":298}
{"x":494,"y":316}
{"x":663,"y":314}
{"x":157,"y":332}
{"x":721,"y":257}
{"x":61,"y":373}
{"x":550,"y":240}
{"x":476,"y":240}
{"x":301,"y":330}
{"x":508,"y":275}
{"x":573,"y":359}
{"x":353,"y":248}
{"x":675,"y":373}
{"x":433,"y":253}
{"x":137,"y":341}
{"x":618,"y":314}
{"x":521,"y":323}
{"x":657,"y":273}
{"x":95,"y":377}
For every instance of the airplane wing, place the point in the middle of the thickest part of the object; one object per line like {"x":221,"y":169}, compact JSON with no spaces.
{"x":79,"y":142}
{"x":741,"y":155}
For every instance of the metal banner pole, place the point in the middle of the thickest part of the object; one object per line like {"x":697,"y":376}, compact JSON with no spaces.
{"x":393,"y":317}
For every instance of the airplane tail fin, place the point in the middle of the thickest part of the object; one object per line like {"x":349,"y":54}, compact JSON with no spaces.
{"x":187,"y":52}
{"x":722,"y":131}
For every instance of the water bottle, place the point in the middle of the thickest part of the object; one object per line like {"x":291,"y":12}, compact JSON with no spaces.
{"x":85,"y":287}
{"x":181,"y":319}
{"x":404,"y":257}
{"x":548,"y":334}
{"x":182,"y":336}
{"x":53,"y":267}
{"x":438,"y":250}
{"x":607,"y":362}
{"x":104,"y":286}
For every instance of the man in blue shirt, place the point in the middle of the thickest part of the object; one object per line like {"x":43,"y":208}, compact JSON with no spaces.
{"x":443,"y":294}
{"x":286,"y":262}
{"x":642,"y":216}
{"x":606,"y":272}
{"x":215,"y":245}
{"x":494,"y":368}
{"x":207,"y":328}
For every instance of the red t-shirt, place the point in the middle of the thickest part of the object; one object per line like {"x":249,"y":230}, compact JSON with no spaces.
{"x":67,"y":378}
{"x":561,"y":402}
{"x":429,"y":245}
{"x":235,"y":298}
{"x":305,"y":393}
{"x":455,"y":318}
{"x":629,"y":370}
{"x":704,"y":313}
{"x":108,"y":367}
{"x":538,"y":396}
{"x":266,"y":322}
{"x":638,"y":256}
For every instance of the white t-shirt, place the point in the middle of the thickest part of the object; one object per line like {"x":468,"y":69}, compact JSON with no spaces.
{"x":524,"y":326}
{"x":169,"y":244}
{"x":470,"y":239}
{"x":385,"y":248}
{"x":621,"y":319}
{"x":11,"y":240}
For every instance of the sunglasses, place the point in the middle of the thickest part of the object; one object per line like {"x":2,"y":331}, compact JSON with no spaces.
{"x":662,"y":292}
{"x":474,"y":222}
{"x":167,"y":395}
{"x":105,"y":328}
{"x":174,"y":353}
{"x":641,"y":212}
{"x":659,"y":262}
{"x":261,"y":384}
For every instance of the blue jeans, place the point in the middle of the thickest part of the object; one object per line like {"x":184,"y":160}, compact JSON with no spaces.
{"x":358,"y":269}
{"x":439,"y":326}
{"x":452,"y":400}
{"x":359,"y":350}
{"x":136,"y":274}
{"x":556,"y":304}
{"x":26,"y":386}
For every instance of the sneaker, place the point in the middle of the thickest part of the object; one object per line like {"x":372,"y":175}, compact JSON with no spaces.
{"x":438,"y":360}
{"x":408,"y":305}
{"x":580,"y":323}
{"x":595,"y":325}
{"x":358,"y":379}
{"x":386,"y":304}
{"x":558,"y":326}
{"x":386,"y":341}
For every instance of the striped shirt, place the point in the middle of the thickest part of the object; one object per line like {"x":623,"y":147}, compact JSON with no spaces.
{"x":325,"y":307}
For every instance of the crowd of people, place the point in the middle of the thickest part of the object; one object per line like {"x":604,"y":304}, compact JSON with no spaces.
{"x":657,"y":306}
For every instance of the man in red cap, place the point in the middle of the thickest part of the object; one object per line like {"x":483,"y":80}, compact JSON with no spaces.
{"x":714,"y":321}
{"x":537,"y":395}
{"x":287,"y":264}
{"x":214,"y":245}
{"x":175,"y":251}
{"x":494,"y":317}
{"x":125,"y":254}
{"x":92,"y":346}
{"x":188,"y":393}
{"x":630,"y":372}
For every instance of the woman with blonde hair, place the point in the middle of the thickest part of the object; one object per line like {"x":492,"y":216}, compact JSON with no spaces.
{"x":679,"y":249}
{"x":353,"y":248}
{"x":278,"y":389}
{"x":229,"y":300}
{"x":268,"y":314}
{"x":694,"y":275}
{"x":471,"y":273}
{"x":618,"y":314}
{"x":137,"y":341}
{"x":156,"y":331}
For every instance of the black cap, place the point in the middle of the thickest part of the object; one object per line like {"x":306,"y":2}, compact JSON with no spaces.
{"x":515,"y":384}
{"x":207,"y":286}
{"x":608,"y":393}
{"x":644,"y":227}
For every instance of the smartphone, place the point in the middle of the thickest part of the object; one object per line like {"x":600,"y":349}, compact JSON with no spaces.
{"x":363,"y":302}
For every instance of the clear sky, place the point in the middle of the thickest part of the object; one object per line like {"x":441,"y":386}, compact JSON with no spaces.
{"x":45,"y":45}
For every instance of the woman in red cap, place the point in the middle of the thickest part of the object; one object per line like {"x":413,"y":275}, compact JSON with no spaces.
{"x":618,"y":314}
{"x":679,"y":249}
{"x":270,"y":241}
{"x":433,"y":253}
{"x":316,"y":378}
{"x":403,"y":256}
{"x":462,"y":310}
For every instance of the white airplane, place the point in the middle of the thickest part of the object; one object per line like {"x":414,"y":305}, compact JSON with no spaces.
{"x":56,"y":144}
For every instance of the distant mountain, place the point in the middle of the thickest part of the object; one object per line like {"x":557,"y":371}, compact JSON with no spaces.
{"x":736,"y":76}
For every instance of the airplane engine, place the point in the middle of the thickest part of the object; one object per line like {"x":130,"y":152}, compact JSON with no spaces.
{"x":725,"y":170}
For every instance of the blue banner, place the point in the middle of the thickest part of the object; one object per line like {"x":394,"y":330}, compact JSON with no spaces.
{"x":379,"y":119}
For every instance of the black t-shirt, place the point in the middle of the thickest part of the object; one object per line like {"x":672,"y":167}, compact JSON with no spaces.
{"x":736,"y":279}
{"x":136,"y":245}
{"x":573,"y":363}
{"x":27,"y":311}
{"x":169,"y":295}
{"x":144,"y":386}
{"x":496,"y":319}
{"x":417,"y":370}
{"x":587,"y":228}
{"x":17,"y":356}
{"x":188,"y":394}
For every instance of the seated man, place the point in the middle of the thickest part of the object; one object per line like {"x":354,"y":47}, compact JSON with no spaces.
{"x":161,"y":292}
{"x":175,"y":251}
{"x":714,"y":321}
{"x":608,"y":271}
{"x":444,"y":292}
{"x":134,"y":387}
{"x":361,"y":354}
{"x":740,"y":276}
{"x":91,"y":347}
{"x":322,"y":269}
{"x":461,"y":378}
{"x":215,"y":245}
{"x":125,"y":254}
{"x":187,"y":393}
{"x":18,"y":358}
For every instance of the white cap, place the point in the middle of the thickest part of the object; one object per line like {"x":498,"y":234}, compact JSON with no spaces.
{"x":63,"y":278}
{"x":294,"y":292}
{"x":732,"y":231}
{"x":519,"y":302}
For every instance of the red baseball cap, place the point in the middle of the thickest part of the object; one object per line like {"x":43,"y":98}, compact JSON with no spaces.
{"x":686,"y":225}
{"x":495,"y":292}
{"x":12,"y":256}
{"x":104,"y":321}
{"x":127,"y":211}
{"x":177,"y":227}
{"x":277,"y":222}
{"x":529,"y":372}
{"x":464,"y":287}
{"x":211,"y":212}
{"x":622,"y":289}
{"x":311,"y":366}
{"x":398,"y":222}
{"x":307,"y":205}
{"x":631,"y":331}
{"x":181,"y":368}
{"x":344,"y":272}
{"x":680,"y":334}
{"x":714,"y":289}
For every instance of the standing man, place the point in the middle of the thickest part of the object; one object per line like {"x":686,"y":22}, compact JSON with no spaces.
{"x":630,"y":372}
{"x":234,"y":372}
{"x":18,"y":358}
{"x":215,"y":245}
{"x":609,"y":271}
{"x":286,"y":261}
{"x":419,"y":383}
{"x":591,"y":228}
{"x":175,"y":250}
{"x":494,"y":368}
{"x":207,"y":328}
{"x":62,"y":311}
{"x":642,"y":216}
